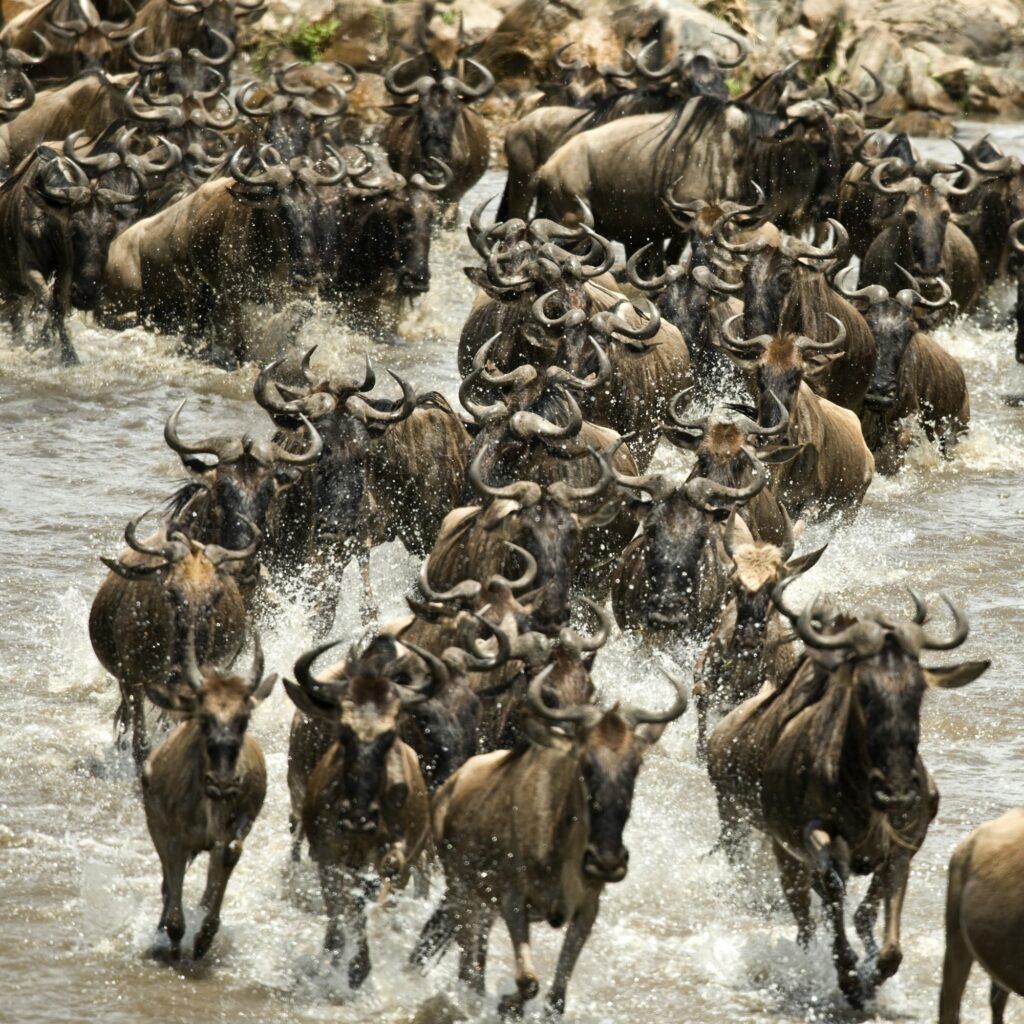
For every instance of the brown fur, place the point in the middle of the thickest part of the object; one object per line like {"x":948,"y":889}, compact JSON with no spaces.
{"x":985,"y":914}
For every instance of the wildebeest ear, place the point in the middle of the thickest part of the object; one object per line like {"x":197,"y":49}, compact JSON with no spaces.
{"x":784,"y":453}
{"x":398,"y":109}
{"x":537,"y":732}
{"x":795,"y":566}
{"x":251,"y":195}
{"x":951,"y":677}
{"x":649,"y":734}
{"x":263,"y":691}
{"x":307,"y":704}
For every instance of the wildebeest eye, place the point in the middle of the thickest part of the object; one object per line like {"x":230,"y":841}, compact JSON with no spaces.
{"x":910,"y":216}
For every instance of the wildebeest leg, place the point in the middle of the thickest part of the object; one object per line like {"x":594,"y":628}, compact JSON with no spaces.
{"x":867,"y":915}
{"x":368,"y":605}
{"x":436,"y":934}
{"x":295,"y":827}
{"x":895,"y":875}
{"x":831,"y":886}
{"x":223,"y":858}
{"x":173,"y":861}
{"x":997,"y":996}
{"x":576,"y":936}
{"x":472,"y":932}
{"x":57,"y":321}
{"x":332,"y":884}
{"x":796,"y":886}
{"x":958,"y":960}
{"x":355,"y":912}
{"x":514,"y":913}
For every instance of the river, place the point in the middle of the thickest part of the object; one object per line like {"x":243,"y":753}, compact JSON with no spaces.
{"x":680,"y":940}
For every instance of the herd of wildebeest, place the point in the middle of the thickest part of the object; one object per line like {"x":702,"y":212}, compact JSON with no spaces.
{"x":144,"y":185}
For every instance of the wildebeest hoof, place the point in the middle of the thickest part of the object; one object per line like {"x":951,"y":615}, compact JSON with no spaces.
{"x":554,"y":1006}
{"x":850,"y":986}
{"x":888,"y":964}
{"x":392,"y":865}
{"x":510,"y":1007}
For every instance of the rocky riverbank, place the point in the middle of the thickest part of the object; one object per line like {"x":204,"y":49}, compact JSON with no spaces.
{"x":938,"y":59}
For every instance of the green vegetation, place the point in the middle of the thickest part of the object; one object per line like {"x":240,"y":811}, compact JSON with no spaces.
{"x":308,"y":40}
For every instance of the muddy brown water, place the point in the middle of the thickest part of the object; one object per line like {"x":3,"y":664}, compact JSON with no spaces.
{"x":679,"y":940}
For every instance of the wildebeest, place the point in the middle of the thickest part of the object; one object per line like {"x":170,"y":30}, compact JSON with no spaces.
{"x":56,"y":227}
{"x":182,"y":24}
{"x":203,"y":787}
{"x":785,"y":289}
{"x":549,"y":307}
{"x":914,"y":378}
{"x":750,"y":647}
{"x":672,"y":575}
{"x":91,"y":103}
{"x":368,"y":486}
{"x":827,"y":766}
{"x":711,"y":148}
{"x":241,"y":485}
{"x":541,"y":518}
{"x":292,"y":118}
{"x":17,"y":93}
{"x":439,"y":124}
{"x":78,"y":38}
{"x":235,"y":240}
{"x":363,"y":803}
{"x":534,"y":138}
{"x":984,"y":909}
{"x":156,"y":592}
{"x":834,"y":467}
{"x":921,"y":234}
{"x":535,"y":834}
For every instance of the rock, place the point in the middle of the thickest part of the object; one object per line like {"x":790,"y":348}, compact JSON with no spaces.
{"x":821,"y":15}
{"x":922,"y":92}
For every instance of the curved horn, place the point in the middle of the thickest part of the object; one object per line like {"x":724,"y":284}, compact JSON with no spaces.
{"x":572,"y":317}
{"x":311,"y":454}
{"x":908,"y":186}
{"x":420,"y":85}
{"x":567,"y":494}
{"x":873,"y":293}
{"x":246,"y":108}
{"x":522,"y":582}
{"x":576,"y":65}
{"x":324,"y":689}
{"x":755,"y":245}
{"x":742,"y":51}
{"x":710,"y":282}
{"x":155,"y":60}
{"x":439,"y":677}
{"x":420,"y":181}
{"x":911,"y":297}
{"x":577,"y":713}
{"x":404,"y":411}
{"x":474,"y":92}
{"x":210,"y":446}
{"x":797,"y":248}
{"x":960,"y":629}
{"x":608,"y":322}
{"x":638,"y":716}
{"x":703,"y":493}
{"x":655,"y":284}
{"x":480,"y":413}
{"x":945,"y":187}
{"x":1017,"y":235}
{"x":525,"y":492}
{"x":587,"y":644}
{"x":805,"y":344}
{"x":198,"y":57}
{"x":528,"y":425}
{"x":467,"y":590}
{"x":218,"y":555}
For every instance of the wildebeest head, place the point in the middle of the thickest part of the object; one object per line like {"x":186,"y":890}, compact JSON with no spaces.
{"x":758,"y":567}
{"x":440,"y":96}
{"x":780,"y":363}
{"x":207,"y":18}
{"x":893,"y":325}
{"x":677,"y":529}
{"x":875,"y":660}
{"x":88,"y":215}
{"x":221,"y":703}
{"x":363,"y":699}
{"x":93,"y":38}
{"x":606,"y":749}
{"x":287,"y":194}
{"x":924,"y":211}
{"x":196,"y":579}
{"x":244,"y":479}
{"x":294,"y":115}
{"x":17,"y":92}
{"x":343,"y":418}
{"x":541,"y":519}
{"x":772,"y":269}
